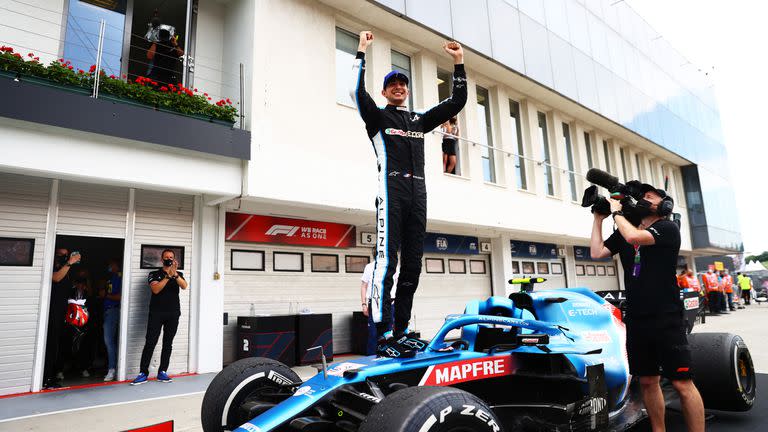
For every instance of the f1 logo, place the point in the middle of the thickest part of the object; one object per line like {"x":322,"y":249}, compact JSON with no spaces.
{"x":288,"y":230}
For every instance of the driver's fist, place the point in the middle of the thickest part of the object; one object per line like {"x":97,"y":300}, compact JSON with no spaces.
{"x":455,"y":50}
{"x":366,"y":38}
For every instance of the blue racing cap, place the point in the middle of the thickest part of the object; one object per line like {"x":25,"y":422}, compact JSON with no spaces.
{"x":395,"y":75}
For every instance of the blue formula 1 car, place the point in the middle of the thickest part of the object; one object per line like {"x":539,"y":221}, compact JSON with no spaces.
{"x":553,"y":360}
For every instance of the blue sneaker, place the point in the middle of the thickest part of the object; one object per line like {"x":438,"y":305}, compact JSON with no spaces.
{"x":140,"y":379}
{"x":163,"y":377}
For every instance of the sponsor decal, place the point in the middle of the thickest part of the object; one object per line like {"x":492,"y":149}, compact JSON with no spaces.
{"x":340,"y":368}
{"x":691,"y":303}
{"x":250,"y":428}
{"x":593,"y":406}
{"x":369,"y":397}
{"x":276,"y":377}
{"x":467,"y":370}
{"x":441,"y":243}
{"x":400,"y":132}
{"x":597,"y":336}
{"x":582,"y":312}
{"x":307,"y":391}
{"x":467,"y":410}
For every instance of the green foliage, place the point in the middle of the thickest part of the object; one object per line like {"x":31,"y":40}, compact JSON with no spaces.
{"x":169,"y":97}
{"x":763,"y":258}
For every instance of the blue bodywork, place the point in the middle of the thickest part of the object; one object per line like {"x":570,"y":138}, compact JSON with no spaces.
{"x":581,"y":326}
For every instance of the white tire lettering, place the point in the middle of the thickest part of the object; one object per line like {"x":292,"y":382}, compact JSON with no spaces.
{"x":468,"y":410}
{"x":482,"y":415}
{"x":447,"y":410}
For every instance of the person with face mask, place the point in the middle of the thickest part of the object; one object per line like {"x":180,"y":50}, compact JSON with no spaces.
{"x":656,"y":332}
{"x":60,"y":289}
{"x":726,"y":285}
{"x":397,"y":136}
{"x":164,"y":313}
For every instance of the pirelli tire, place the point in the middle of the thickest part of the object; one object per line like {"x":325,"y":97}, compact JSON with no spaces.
{"x":237,"y":383}
{"x":723,"y":371}
{"x":431,"y":409}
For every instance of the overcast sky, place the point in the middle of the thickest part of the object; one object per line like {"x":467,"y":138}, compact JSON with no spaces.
{"x":732,"y":37}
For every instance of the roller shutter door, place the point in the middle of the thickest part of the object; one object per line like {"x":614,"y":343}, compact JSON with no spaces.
{"x":23,"y":214}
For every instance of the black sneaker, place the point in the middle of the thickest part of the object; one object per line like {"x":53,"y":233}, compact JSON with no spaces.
{"x":389,"y":347}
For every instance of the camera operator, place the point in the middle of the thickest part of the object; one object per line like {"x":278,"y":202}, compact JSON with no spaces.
{"x":656,"y":337}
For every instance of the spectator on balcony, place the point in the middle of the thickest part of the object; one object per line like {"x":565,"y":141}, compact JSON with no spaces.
{"x":164,"y":57}
{"x":450,"y":145}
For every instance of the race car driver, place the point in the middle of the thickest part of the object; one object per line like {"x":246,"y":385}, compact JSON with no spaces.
{"x":397,"y":135}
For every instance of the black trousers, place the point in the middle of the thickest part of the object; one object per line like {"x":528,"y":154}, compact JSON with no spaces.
{"x":56,"y":315}
{"x":745,"y":296}
{"x":401,"y":224}
{"x":169,"y":323}
{"x":715,"y":301}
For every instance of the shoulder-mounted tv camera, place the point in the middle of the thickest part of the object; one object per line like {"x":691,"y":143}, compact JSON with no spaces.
{"x":634,"y":207}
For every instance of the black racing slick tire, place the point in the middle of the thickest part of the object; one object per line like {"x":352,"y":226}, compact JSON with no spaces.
{"x":240,"y":383}
{"x":431,"y":409}
{"x":723,"y":371}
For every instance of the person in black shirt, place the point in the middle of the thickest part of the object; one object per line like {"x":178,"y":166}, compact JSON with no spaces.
{"x":60,"y":289}
{"x":164,"y":312}
{"x":164,"y":56}
{"x":656,"y":337}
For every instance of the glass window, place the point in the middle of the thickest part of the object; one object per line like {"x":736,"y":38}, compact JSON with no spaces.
{"x":17,"y":251}
{"x":355,"y":263}
{"x":434,"y":265}
{"x":654,"y":174}
{"x":590,"y":270}
{"x":623,"y":164}
{"x":346,"y":50}
{"x":557,"y":268}
{"x":515,"y":267}
{"x":517,"y":135}
{"x":588,"y":145}
{"x":639,"y":167}
{"x":81,"y":39}
{"x":402,"y":64}
{"x":579,"y":270}
{"x":444,"y":88}
{"x":477,"y":267}
{"x":542,"y":268}
{"x":544,"y":141}
{"x":484,"y":117}
{"x":288,"y":261}
{"x":322,"y":263}
{"x":601,"y":270}
{"x":247,"y":260}
{"x":457,"y":266}
{"x":607,"y":157}
{"x":569,"y":156}
{"x":529,"y":267}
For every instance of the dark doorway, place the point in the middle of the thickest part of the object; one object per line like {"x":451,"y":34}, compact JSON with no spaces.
{"x":82,"y":352}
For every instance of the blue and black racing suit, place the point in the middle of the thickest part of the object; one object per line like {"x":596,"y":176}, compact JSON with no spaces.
{"x":397,"y":135}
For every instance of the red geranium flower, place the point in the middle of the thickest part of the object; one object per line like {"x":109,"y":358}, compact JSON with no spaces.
{"x":209,"y":98}
{"x":164,"y":89}
{"x":30,"y":55}
{"x":92,"y":69}
{"x":113,"y":77}
{"x":70,"y":67}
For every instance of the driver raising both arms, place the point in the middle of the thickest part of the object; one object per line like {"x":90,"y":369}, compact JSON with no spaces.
{"x":397,"y":135}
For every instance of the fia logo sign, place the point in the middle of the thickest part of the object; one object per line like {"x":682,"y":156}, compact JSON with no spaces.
{"x":441,"y":243}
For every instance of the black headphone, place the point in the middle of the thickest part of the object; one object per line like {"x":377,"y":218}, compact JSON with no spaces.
{"x":665,"y":207}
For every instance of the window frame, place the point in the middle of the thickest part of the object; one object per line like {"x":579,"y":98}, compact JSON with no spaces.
{"x":312,"y":263}
{"x":346,"y":263}
{"x":588,"y":146}
{"x":409,"y":73}
{"x":485,"y":267}
{"x":488,"y":134}
{"x":521,"y":174}
{"x":570,"y":161}
{"x":607,"y":152}
{"x":31,"y":242}
{"x":546,"y":152}
{"x":351,"y":103}
{"x":442,"y":265}
{"x":257,"y":252}
{"x":455,"y":260}
{"x":274,"y":261}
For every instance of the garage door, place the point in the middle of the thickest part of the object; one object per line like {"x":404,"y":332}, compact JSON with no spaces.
{"x":550,"y":269}
{"x":597,"y":275}
{"x":23,"y":217}
{"x":447,"y":283}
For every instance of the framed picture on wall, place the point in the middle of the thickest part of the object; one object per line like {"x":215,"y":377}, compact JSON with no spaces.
{"x":556,"y":268}
{"x":611,"y":270}
{"x":579,"y":270}
{"x":16,"y":251}
{"x":528,"y":267}
{"x":152,"y":256}
{"x":477,"y":266}
{"x":287,"y":261}
{"x":250,"y":260}
{"x":325,"y":263}
{"x":542,"y":267}
{"x":457,"y":266}
{"x":516,"y":267}
{"x":601,"y":270}
{"x":434,"y":265}
{"x":590,"y":270}
{"x":355,"y":263}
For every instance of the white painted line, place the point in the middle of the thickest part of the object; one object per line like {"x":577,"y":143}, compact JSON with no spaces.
{"x":100,"y":406}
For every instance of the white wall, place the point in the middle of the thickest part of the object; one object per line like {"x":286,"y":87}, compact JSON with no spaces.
{"x":61,"y":153}
{"x":36,"y":33}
